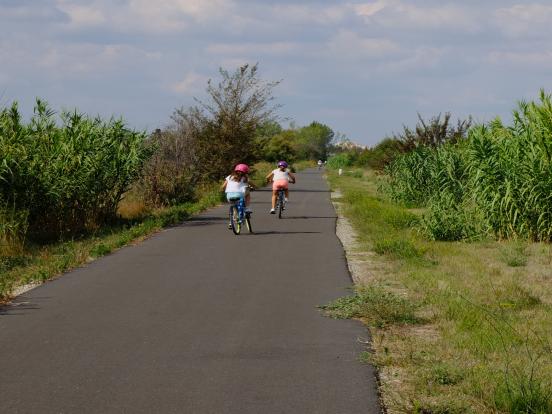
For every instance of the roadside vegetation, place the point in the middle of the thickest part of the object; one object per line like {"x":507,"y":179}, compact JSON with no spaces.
{"x":74,"y":187}
{"x":457,"y":327}
{"x":456,"y":237}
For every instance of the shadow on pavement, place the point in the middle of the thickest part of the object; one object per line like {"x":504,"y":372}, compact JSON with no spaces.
{"x":202,"y":221}
{"x":294,"y":190}
{"x":18,"y":308}
{"x":265,"y":233}
{"x":284,"y":217}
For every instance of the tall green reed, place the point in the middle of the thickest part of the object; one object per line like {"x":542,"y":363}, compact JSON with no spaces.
{"x":498,"y":181}
{"x":66,"y":177}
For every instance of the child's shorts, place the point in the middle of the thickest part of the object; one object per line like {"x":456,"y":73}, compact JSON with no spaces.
{"x":234,"y":196}
{"x":280,"y":185}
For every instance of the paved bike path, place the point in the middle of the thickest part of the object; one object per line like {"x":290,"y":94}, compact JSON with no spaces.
{"x":196,"y":320}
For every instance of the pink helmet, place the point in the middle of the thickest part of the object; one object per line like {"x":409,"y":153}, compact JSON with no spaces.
{"x":242,"y":168}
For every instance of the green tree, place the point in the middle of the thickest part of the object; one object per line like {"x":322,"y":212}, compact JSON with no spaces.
{"x":281,"y":147}
{"x":221,"y":130}
{"x":265,"y":132}
{"x":313,"y":141}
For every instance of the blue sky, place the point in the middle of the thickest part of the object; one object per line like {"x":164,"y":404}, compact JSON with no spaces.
{"x":364,"y":68}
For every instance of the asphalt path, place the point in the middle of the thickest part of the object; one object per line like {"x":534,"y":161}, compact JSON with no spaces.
{"x":196,"y":320}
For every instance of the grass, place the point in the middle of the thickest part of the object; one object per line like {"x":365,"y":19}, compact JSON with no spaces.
{"x":38,"y":263}
{"x":375,"y":305}
{"x":457,"y":327}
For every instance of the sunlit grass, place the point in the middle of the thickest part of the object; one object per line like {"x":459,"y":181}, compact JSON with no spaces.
{"x":482,"y":339}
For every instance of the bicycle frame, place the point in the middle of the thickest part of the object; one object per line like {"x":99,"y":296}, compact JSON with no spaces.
{"x":242,"y":216}
{"x":280,"y":202}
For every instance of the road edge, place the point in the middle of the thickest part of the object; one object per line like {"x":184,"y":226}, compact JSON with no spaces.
{"x":348,"y":237}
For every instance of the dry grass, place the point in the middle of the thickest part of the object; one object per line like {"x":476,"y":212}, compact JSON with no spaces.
{"x":132,"y":207}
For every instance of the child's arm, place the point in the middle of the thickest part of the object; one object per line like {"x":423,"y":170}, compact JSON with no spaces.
{"x":246,"y":181}
{"x":249,"y":183}
{"x":292,"y":176}
{"x":269,"y":176}
{"x":223,"y":186}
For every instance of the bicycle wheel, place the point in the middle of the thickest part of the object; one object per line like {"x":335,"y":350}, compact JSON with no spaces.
{"x":235,"y":220}
{"x":248,"y":223}
{"x":280,"y":204}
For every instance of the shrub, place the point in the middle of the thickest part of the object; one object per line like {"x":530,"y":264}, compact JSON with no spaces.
{"x":438,"y":131}
{"x":410,"y":181}
{"x":64,"y":178}
{"x":448,"y":219}
{"x":341,"y":160}
{"x":170,"y":176}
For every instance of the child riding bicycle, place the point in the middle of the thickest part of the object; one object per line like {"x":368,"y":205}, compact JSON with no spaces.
{"x":236,"y":185}
{"x":280,"y":178}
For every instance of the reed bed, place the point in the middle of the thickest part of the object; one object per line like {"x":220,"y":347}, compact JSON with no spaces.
{"x":496,"y":182}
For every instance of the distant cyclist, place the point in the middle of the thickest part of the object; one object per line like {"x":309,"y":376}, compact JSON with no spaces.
{"x":280,"y":177}
{"x":320,"y":163}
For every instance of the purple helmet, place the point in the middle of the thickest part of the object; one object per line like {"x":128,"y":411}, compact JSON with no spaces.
{"x":282,"y":164}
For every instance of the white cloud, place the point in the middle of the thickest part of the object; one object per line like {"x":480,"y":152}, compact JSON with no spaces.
{"x":88,"y":59}
{"x":535,"y":59}
{"x":253,"y":49}
{"x":525,"y":19}
{"x":422,"y":58}
{"x":82,"y":16}
{"x":160,"y":16}
{"x":192,"y":83}
{"x":400,"y":14}
{"x":349,"y":45}
{"x":27,"y":12}
{"x":297,"y":13}
{"x":369,"y":9}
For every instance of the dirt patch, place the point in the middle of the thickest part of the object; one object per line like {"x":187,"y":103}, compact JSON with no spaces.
{"x":361,"y":263}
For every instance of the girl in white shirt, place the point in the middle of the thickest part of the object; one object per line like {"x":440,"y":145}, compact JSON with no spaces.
{"x":280,"y":178}
{"x":236,"y":185}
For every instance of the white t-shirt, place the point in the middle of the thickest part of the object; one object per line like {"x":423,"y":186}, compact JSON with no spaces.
{"x":233,"y":186}
{"x":280,"y":175}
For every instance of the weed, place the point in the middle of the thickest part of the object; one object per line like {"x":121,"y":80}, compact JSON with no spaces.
{"x":401,"y":248}
{"x":400,"y":219}
{"x":439,"y":407}
{"x":514,"y":296}
{"x":514,"y":254}
{"x":524,"y":394}
{"x":375,"y":305}
{"x":444,"y":374}
{"x":10,"y":262}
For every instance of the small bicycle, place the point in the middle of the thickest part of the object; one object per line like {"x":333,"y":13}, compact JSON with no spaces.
{"x":238,"y":216}
{"x":280,"y":202}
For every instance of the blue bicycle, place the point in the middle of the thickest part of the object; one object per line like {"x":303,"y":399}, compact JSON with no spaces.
{"x":238,"y":216}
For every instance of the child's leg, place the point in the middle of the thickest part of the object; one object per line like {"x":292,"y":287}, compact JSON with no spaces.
{"x":274,"y":194}
{"x":287,"y":193}
{"x":247,"y":200}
